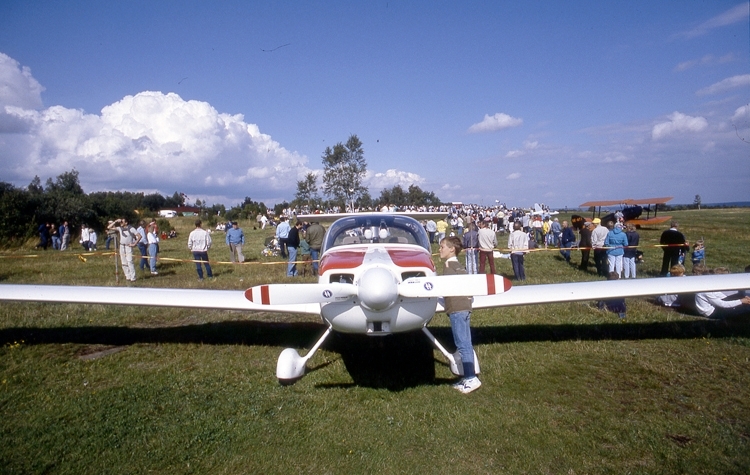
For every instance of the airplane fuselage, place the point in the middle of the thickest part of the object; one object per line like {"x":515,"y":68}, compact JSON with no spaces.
{"x":377,"y":269}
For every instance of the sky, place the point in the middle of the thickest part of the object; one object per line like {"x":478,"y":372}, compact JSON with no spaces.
{"x":480,"y":102}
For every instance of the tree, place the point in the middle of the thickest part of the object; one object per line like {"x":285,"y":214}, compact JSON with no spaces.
{"x":697,"y":201}
{"x":16,"y":212}
{"x":307,"y":191}
{"x":415,"y":196}
{"x":344,"y":169}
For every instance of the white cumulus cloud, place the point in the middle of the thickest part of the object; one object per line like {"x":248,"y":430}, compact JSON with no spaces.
{"x":17,"y":86}
{"x":495,"y":122}
{"x":678,"y":123}
{"x":513,"y":176}
{"x":154,"y":141}
{"x":389,"y":179}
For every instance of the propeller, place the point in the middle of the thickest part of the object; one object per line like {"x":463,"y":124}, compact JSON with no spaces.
{"x":378,"y":289}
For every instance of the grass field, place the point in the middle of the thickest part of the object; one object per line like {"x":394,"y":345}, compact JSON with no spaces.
{"x":567,"y":388}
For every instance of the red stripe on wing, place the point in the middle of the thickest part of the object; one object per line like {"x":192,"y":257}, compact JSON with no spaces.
{"x":490,"y":284}
{"x":264,"y":297}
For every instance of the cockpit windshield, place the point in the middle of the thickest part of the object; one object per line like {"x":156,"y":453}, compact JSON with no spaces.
{"x":376,"y":228}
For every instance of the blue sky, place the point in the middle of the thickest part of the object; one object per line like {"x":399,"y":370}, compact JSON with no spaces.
{"x":521,"y":102}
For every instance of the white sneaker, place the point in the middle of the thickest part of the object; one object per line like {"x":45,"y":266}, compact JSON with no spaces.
{"x":468,"y":385}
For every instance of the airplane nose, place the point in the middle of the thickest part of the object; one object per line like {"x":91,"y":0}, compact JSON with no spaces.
{"x":378,"y":289}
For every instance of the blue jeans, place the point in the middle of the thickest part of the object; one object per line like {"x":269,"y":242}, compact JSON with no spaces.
{"x":315,"y":255}
{"x":152,"y":256}
{"x":461,"y":327}
{"x":565,"y":251}
{"x":291,"y":268}
{"x":471,"y":261}
{"x":202,"y":256}
{"x":144,"y":252}
{"x":518,"y":270}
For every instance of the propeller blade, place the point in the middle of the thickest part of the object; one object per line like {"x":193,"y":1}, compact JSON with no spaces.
{"x":454,"y":285}
{"x":285,"y":294}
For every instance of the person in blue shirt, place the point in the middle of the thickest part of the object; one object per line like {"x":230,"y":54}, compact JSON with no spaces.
{"x":282,"y":234}
{"x":615,"y":243}
{"x":235,"y":241}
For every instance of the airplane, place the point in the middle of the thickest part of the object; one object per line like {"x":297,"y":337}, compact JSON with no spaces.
{"x":376,"y":278}
{"x":632,"y":210}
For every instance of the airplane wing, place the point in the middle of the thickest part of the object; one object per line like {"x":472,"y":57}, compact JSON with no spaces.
{"x":601,"y":290}
{"x":602,"y":203}
{"x":237,"y":300}
{"x":150,"y":297}
{"x":650,"y":201}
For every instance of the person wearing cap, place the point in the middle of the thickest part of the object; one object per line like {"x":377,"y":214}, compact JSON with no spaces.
{"x":585,"y":245}
{"x":615,"y":242}
{"x":235,"y":241}
{"x":598,"y":235}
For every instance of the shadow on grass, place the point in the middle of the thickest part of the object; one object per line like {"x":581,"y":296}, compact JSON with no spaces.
{"x":394,"y":362}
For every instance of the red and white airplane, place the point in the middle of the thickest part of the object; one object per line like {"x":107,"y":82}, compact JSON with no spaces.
{"x":376,"y":277}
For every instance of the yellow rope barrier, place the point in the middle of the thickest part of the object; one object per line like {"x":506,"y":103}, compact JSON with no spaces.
{"x":82,"y":256}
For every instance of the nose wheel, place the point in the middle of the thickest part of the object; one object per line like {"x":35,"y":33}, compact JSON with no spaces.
{"x":291,"y":366}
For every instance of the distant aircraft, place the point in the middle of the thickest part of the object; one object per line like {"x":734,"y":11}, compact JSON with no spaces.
{"x":377,"y":278}
{"x":538,"y":211}
{"x":632,"y":210}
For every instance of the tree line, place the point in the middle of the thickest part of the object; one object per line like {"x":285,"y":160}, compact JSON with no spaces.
{"x":22,"y":210}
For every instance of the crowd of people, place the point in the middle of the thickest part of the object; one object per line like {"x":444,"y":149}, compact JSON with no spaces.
{"x":615,"y":244}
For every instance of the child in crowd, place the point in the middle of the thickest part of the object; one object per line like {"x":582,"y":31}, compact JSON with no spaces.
{"x":670,"y":300}
{"x":699,"y":253}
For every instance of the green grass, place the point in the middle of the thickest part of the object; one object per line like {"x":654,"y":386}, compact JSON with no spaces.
{"x":567,"y":388}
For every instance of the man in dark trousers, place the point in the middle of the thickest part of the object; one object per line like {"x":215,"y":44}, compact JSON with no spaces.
{"x":292,"y":243}
{"x":315,"y":234}
{"x":674,"y":246}
{"x":585,"y":245}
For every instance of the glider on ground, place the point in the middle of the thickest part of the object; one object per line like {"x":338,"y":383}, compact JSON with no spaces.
{"x":376,"y":277}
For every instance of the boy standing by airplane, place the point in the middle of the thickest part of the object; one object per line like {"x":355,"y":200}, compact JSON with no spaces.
{"x":459,"y":313}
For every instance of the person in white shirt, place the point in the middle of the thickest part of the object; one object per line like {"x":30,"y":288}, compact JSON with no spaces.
{"x":716,"y":305}
{"x":152,"y":237}
{"x":518,"y":243}
{"x":487,"y":244}
{"x":598,"y":235}
{"x":129,"y":238}
{"x":199,"y":242}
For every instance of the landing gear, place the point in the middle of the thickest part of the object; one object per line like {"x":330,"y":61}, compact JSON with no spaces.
{"x":454,"y":359}
{"x":291,"y":366}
